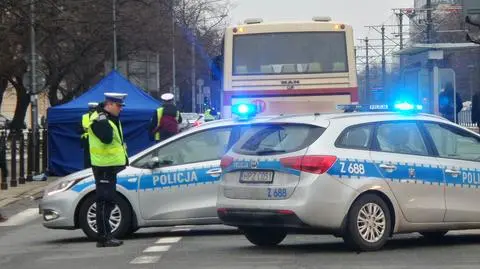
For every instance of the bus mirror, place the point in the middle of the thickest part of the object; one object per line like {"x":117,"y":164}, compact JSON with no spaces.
{"x":216,"y":68}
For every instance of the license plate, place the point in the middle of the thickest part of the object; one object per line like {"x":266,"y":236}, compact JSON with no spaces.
{"x":256,"y":177}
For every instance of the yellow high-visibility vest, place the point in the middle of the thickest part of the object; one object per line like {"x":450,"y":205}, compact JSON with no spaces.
{"x":113,"y":154}
{"x":208,"y":116}
{"x":85,"y":124}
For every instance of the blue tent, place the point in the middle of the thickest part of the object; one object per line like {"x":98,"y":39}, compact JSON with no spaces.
{"x":65,"y":154}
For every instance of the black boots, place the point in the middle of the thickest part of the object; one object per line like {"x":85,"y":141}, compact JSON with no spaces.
{"x":109,"y":243}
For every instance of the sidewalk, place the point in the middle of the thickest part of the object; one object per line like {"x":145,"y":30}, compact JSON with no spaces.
{"x":27,"y":190}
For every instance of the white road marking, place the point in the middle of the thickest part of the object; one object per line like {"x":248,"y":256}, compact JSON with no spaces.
{"x":168,"y":240}
{"x":157,"y":249}
{"x":145,"y":259}
{"x":21,"y":218}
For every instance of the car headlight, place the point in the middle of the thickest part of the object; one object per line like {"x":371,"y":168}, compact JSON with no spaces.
{"x":61,"y":186}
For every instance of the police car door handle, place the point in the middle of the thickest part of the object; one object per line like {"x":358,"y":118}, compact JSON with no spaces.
{"x":214,"y":171}
{"x":452,"y":172}
{"x":388,"y":167}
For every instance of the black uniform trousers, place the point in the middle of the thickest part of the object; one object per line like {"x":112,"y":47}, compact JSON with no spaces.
{"x":86,"y":153}
{"x":105,"y":183}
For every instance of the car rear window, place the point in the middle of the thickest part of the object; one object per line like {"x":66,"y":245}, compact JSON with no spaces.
{"x":271,"y":139}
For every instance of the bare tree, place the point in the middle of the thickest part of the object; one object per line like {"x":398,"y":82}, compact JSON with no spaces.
{"x":74,"y":39}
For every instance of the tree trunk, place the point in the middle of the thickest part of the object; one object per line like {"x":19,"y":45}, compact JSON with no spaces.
{"x":23,"y":100}
{"x":3,"y":87}
{"x":52,"y":94}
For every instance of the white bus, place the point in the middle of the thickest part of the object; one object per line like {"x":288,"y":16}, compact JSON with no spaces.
{"x":288,"y":67}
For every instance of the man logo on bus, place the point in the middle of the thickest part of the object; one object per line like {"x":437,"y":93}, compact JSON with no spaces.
{"x":290,"y":83}
{"x":260,"y":104}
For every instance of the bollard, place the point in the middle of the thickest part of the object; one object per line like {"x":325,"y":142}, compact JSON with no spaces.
{"x":29,"y":156}
{"x":21,"y":179}
{"x":13,"y":162}
{"x":3,"y":152}
{"x":44,"y":151}
{"x":36,"y":168}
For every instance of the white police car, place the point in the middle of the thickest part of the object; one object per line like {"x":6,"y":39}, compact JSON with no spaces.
{"x":171,"y":183}
{"x":362,"y":176}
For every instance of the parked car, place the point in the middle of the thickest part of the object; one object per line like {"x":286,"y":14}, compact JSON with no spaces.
{"x":171,"y":183}
{"x":361,"y":176}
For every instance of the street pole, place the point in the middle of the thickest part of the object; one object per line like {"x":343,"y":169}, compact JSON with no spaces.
{"x":194,"y":101}
{"x":400,"y":33}
{"x":367,"y":72}
{"x":472,"y":69}
{"x":33,"y":92}
{"x":174,"y":83}
{"x":114,"y":34}
{"x":429,"y":21}
{"x":158,"y":74}
{"x":400,"y":29}
{"x":384,"y":70}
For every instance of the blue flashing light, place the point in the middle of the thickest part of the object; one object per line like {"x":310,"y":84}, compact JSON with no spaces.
{"x":401,"y":107}
{"x":244,"y":111}
{"x":404,"y":106}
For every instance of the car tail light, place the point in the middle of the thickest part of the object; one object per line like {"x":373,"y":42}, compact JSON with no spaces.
{"x":226,"y":161}
{"x":317,"y":164}
{"x":196,"y":123}
{"x":285,"y":212}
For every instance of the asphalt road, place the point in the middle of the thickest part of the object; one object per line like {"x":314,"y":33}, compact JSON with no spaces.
{"x":27,"y":244}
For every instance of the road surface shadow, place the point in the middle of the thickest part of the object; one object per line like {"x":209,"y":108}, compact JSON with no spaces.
{"x":191,"y":233}
{"x":157,"y":234}
{"x":410,"y":243}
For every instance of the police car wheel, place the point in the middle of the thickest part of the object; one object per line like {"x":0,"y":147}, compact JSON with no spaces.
{"x":369,"y":224}
{"x":120,"y":218}
{"x":264,"y":237}
{"x":434,"y":235}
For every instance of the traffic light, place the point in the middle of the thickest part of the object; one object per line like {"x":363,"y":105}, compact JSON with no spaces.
{"x":471,"y":13}
{"x":206,"y":102}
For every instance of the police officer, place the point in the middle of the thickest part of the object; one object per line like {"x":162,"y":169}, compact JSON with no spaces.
{"x":108,"y":157}
{"x":446,"y":100}
{"x":165,"y":119}
{"x":84,"y":130}
{"x":210,"y":114}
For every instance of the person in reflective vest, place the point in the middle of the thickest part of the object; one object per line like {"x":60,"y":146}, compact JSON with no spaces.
{"x":165,"y":119}
{"x":92,"y":106}
{"x":210,"y":114}
{"x":108,"y":154}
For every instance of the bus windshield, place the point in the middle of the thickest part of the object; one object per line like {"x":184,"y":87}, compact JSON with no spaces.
{"x":290,"y":53}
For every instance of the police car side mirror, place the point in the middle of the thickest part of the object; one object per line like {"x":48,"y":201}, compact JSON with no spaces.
{"x":153,"y":163}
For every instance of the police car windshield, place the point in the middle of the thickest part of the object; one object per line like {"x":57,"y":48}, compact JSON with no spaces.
{"x":271,"y":139}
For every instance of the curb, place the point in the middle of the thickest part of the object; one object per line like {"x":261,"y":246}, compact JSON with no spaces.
{"x":32,"y":194}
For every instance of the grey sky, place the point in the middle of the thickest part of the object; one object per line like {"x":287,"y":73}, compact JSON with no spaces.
{"x":357,"y":13}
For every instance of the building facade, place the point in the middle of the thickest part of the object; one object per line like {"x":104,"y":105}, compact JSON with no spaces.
{"x":423,"y":3}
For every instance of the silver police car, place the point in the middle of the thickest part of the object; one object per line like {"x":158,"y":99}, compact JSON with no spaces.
{"x":362,"y":176}
{"x":172,"y":183}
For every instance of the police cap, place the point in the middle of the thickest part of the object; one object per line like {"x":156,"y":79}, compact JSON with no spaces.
{"x":118,"y":98}
{"x":167,"y":96}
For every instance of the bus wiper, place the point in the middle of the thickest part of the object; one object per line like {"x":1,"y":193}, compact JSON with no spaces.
{"x":267,"y":151}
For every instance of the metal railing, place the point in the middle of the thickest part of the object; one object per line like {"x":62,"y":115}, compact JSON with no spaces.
{"x":23,"y":162}
{"x":465,"y":118}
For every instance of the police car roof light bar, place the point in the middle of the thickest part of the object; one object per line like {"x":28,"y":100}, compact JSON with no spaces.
{"x":244,"y":111}
{"x":404,"y":107}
